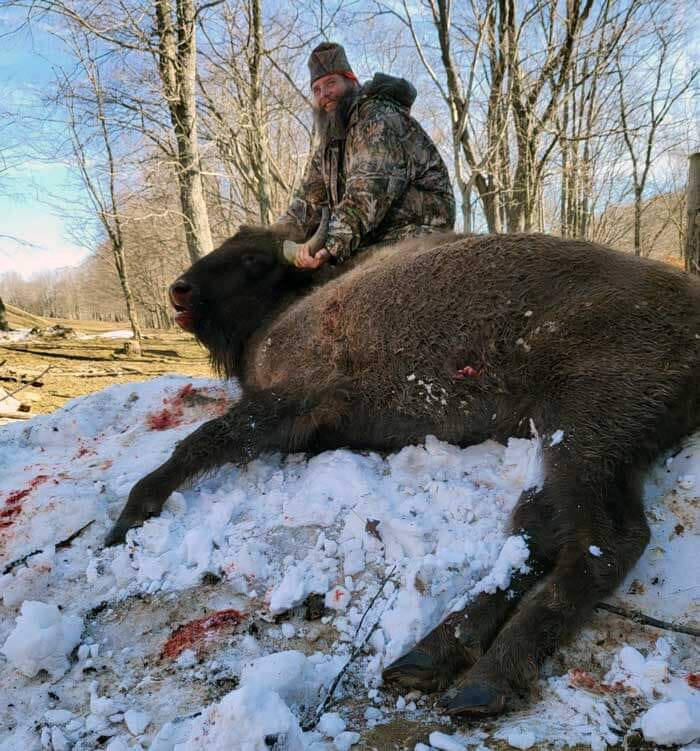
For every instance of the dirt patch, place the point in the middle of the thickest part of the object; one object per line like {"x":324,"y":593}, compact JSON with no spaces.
{"x":77,"y":367}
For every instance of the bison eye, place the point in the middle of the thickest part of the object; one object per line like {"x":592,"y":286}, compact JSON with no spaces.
{"x":256,"y":265}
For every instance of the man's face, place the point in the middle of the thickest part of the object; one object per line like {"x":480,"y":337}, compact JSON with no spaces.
{"x":327,"y":90}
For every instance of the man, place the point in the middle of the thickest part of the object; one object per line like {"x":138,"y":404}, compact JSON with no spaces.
{"x":375,"y":168}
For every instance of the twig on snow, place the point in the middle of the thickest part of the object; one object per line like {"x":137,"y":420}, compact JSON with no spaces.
{"x":639,"y":617}
{"x":61,"y":544}
{"x":355,"y":652}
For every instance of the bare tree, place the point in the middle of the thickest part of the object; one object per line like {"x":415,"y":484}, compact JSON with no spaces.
{"x":88,"y":123}
{"x":166,"y":34}
{"x":252,"y":110}
{"x":648,"y":91}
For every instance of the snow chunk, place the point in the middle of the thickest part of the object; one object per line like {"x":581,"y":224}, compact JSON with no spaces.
{"x":346,"y":740}
{"x":672,"y":722}
{"x":557,"y":438}
{"x":301,"y":580}
{"x":137,"y":722}
{"x":687,"y":482}
{"x":290,"y":674}
{"x":338,"y":598}
{"x":42,"y":639}
{"x":331,"y":724}
{"x":58,"y":740}
{"x":119,"y":743}
{"x":57,"y":716}
{"x":523,"y":463}
{"x":513,"y":557}
{"x":250,"y":715}
{"x":521,"y":739}
{"x":445,"y":742}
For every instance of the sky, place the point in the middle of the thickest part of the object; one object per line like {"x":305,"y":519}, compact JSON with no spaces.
{"x":35,"y":195}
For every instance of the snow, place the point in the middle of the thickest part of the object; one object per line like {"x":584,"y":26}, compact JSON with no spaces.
{"x":687,"y":482}
{"x":337,"y":598}
{"x":137,"y":722}
{"x":250,"y":715}
{"x":521,"y":739}
{"x":557,"y":438}
{"x":345,"y":741}
{"x":331,"y":724}
{"x":446,"y":742}
{"x":195,"y":628}
{"x":42,"y":639}
{"x":672,"y":722}
{"x":58,"y":716}
{"x":120,"y":334}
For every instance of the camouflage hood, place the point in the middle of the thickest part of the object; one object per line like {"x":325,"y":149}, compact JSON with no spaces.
{"x":398,"y":90}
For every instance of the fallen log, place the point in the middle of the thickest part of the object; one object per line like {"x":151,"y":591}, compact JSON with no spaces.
{"x":14,"y":415}
{"x":62,"y":355}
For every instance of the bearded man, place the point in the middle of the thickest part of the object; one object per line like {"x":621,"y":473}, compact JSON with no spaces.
{"x":375,"y":168}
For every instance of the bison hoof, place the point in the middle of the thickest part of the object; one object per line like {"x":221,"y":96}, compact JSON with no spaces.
{"x":116,"y":535}
{"x":473,"y":698}
{"x":415,"y":669}
{"x":418,"y":669}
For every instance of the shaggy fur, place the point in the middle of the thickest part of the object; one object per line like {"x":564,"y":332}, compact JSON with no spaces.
{"x":465,"y":338}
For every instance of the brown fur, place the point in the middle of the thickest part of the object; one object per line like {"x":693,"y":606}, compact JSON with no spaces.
{"x":465,"y":338}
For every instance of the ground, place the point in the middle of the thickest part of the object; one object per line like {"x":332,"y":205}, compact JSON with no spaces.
{"x":227,"y":620}
{"x":79,"y":366}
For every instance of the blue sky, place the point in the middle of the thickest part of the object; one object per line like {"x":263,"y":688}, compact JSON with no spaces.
{"x":32,"y":190}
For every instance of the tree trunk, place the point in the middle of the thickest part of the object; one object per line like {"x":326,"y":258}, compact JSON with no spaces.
{"x":258,"y":130}
{"x":120,"y":264}
{"x":178,"y":65}
{"x":692,"y":242}
{"x":637,"y":220}
{"x":4,"y":325}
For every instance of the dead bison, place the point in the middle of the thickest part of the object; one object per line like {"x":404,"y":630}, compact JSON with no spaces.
{"x":465,"y":338}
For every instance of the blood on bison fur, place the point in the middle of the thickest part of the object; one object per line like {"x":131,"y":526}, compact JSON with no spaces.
{"x":465,"y":338}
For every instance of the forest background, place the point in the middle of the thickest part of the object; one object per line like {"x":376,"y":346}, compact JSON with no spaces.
{"x":176,"y":122}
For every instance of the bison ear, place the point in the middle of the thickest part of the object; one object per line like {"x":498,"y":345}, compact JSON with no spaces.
{"x":256,"y":265}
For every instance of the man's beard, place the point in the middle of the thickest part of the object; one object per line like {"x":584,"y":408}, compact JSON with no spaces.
{"x":331,"y":126}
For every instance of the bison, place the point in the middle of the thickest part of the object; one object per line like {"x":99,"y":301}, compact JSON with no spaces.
{"x":465,"y":338}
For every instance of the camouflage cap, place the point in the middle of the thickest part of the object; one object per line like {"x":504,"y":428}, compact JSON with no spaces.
{"x":328,"y":58}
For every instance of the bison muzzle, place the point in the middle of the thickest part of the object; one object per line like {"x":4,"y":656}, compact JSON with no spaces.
{"x":464,"y":338}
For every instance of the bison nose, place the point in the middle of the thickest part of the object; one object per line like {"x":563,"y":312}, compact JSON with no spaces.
{"x":181,"y":294}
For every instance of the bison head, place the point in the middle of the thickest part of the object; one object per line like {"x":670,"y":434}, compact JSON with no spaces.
{"x":223,"y":298}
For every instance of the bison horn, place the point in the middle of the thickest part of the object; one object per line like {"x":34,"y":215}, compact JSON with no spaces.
{"x":290,"y":249}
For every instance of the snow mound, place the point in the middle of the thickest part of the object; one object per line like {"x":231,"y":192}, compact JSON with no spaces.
{"x":218,"y":592}
{"x":255,"y":716}
{"x":42,"y":640}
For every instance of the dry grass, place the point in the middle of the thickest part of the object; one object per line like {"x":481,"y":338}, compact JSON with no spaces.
{"x":79,"y":366}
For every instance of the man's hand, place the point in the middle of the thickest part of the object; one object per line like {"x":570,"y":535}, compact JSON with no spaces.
{"x":304,"y":259}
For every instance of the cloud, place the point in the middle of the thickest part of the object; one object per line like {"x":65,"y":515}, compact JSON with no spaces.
{"x":48,"y":247}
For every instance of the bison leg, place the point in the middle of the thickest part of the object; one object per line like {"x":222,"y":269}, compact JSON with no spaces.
{"x":608,"y":518}
{"x":260,"y":422}
{"x":459,"y":641}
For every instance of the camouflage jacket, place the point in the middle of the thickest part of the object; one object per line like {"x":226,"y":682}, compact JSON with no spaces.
{"x":383,"y":181}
